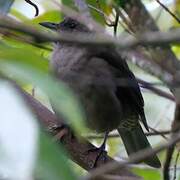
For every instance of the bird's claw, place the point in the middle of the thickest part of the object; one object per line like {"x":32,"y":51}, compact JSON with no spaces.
{"x":101,"y":153}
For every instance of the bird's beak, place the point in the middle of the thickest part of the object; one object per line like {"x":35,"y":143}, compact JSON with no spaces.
{"x":49,"y":25}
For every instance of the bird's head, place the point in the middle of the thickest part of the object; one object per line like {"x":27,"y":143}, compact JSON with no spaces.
{"x":68,"y":25}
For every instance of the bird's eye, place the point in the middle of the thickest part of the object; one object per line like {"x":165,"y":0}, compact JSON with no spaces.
{"x":72,"y":25}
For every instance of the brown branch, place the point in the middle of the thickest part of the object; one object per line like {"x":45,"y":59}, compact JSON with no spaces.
{"x":156,"y":90}
{"x":106,"y":18}
{"x":76,"y":147}
{"x":154,"y":130}
{"x":122,"y":42}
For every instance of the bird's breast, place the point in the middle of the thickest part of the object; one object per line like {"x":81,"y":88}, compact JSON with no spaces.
{"x":94,"y":84}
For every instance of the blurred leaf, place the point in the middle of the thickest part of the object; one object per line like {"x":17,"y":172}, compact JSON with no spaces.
{"x":17,"y":160}
{"x":5,"y":6}
{"x":28,"y":57}
{"x":148,"y":174}
{"x":113,"y":144}
{"x":96,"y":15}
{"x":69,"y":3}
{"x":177,"y":13}
{"x":176,"y":50}
{"x":29,"y":67}
{"x":51,"y":16}
{"x":18,"y":15}
{"x":121,"y":3}
{"x":101,"y":6}
{"x":18,"y":135}
{"x":52,"y":162}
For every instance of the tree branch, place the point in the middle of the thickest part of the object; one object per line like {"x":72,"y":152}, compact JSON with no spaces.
{"x":77,"y":148}
{"x":157,"y":133}
{"x":122,"y":42}
{"x":155,"y":90}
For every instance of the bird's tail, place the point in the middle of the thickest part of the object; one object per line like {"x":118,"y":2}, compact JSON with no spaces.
{"x":134,"y":141}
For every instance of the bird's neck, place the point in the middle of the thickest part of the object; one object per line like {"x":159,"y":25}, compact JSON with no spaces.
{"x":67,"y":55}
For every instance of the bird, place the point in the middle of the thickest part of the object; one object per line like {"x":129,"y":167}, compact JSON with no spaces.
{"x":106,"y":87}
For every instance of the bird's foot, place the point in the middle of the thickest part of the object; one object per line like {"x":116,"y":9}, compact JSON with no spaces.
{"x":101,"y":153}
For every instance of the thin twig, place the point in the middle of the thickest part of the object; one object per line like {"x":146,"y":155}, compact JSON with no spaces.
{"x":22,"y":39}
{"x":35,"y":6}
{"x":154,"y":130}
{"x":125,"y":20}
{"x":157,"y":133}
{"x":157,"y":91}
{"x":166,"y":9}
{"x":101,"y":13}
{"x":175,"y":165}
{"x":116,"y":21}
{"x":158,"y":15}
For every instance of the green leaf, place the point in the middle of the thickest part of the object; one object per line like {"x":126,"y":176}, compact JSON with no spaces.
{"x":52,"y":161}
{"x":5,"y":6}
{"x":69,"y":3}
{"x":51,"y":16}
{"x":32,"y":68}
{"x":148,"y":174}
{"x":18,"y":14}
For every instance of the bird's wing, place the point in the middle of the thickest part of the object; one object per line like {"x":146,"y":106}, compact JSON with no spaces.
{"x":129,"y":93}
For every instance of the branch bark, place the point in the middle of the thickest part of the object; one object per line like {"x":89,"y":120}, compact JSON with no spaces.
{"x":76,"y":147}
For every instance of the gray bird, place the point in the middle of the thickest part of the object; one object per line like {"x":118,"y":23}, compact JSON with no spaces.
{"x":94,"y":73}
